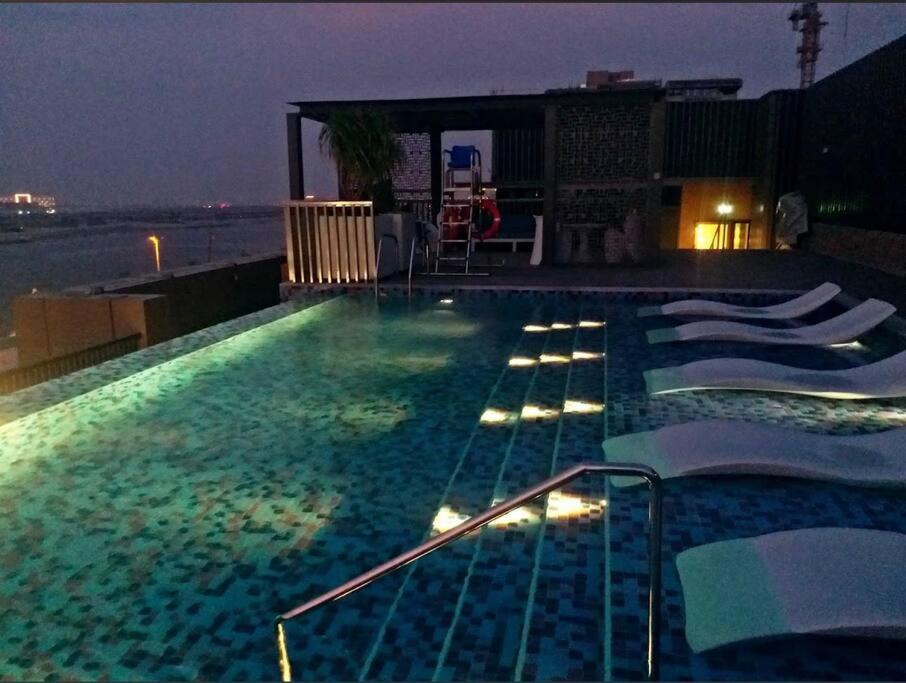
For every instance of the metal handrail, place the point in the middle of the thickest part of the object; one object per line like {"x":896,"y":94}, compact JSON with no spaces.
{"x":377,"y":260}
{"x":411,"y":261}
{"x":439,"y":541}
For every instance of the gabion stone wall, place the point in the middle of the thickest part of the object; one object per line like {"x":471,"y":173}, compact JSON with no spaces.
{"x":605,"y":206}
{"x":414,"y":171}
{"x":602,"y":166}
{"x":603,"y":143}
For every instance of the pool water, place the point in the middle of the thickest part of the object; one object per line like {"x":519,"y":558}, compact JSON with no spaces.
{"x":152,"y":527}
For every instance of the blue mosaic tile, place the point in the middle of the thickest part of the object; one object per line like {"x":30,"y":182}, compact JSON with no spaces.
{"x":159,"y":511}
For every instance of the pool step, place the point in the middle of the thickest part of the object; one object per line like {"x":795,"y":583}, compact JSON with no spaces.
{"x":481,"y":609}
{"x":407,"y":645}
{"x":485,"y":642}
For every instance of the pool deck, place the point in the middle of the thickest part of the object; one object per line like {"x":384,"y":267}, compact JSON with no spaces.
{"x":692,"y":270}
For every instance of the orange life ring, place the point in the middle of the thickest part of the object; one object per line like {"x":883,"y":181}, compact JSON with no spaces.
{"x":490,"y":207}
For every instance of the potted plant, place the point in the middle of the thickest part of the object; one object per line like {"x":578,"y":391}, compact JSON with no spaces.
{"x":366,"y":149}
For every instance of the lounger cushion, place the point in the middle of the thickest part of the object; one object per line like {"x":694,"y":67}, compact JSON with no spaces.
{"x":827,"y":581}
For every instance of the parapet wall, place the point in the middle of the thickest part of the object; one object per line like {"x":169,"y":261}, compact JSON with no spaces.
{"x":157,"y":307}
{"x":882,"y":250}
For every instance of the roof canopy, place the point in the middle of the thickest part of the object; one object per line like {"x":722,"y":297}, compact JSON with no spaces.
{"x":481,"y":112}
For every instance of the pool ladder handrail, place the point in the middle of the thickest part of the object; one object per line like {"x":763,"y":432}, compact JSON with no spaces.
{"x":411,"y":261}
{"x":377,"y":260}
{"x":655,"y":496}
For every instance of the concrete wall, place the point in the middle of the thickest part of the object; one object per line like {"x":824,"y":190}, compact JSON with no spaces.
{"x":206,"y":295}
{"x":53,"y":325}
{"x":882,"y":250}
{"x":157,"y":308}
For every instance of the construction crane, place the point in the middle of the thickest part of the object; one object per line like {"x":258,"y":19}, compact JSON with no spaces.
{"x":806,"y":20}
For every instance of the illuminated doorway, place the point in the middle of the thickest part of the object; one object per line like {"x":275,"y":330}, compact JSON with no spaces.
{"x":727,"y":235}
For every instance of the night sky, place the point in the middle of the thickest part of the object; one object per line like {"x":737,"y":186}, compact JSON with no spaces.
{"x":184,"y":104}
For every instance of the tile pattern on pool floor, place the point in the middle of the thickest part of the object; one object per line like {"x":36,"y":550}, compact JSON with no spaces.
{"x":152,"y":527}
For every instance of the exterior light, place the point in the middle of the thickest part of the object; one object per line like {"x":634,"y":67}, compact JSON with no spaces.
{"x":535,"y":328}
{"x":155,"y":242}
{"x":590,"y":323}
{"x":446,"y":302}
{"x":521,"y":362}
{"x":553,"y":358}
{"x":724,"y":209}
{"x":560,"y":326}
{"x":586,"y":355}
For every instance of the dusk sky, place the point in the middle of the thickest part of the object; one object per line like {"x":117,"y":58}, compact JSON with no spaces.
{"x":185,"y":104}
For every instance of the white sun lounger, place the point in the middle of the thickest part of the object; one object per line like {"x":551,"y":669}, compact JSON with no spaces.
{"x":827,"y":581}
{"x":728,"y":447}
{"x":794,"y":308}
{"x":843,"y":328}
{"x":883,"y":379}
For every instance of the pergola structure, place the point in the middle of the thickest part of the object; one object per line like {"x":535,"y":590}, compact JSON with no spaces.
{"x":434,"y":116}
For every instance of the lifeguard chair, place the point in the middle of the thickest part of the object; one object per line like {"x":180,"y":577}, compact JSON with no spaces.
{"x":463,"y":202}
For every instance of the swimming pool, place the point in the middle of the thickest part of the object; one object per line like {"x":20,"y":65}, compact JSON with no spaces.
{"x":154,"y":525}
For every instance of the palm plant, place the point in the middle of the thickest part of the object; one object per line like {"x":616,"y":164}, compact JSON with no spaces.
{"x":366,"y":150}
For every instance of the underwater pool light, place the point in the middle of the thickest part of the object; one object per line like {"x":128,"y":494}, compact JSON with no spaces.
{"x":587,"y":355}
{"x":447,"y":518}
{"x":583,"y":407}
{"x":494,"y":416}
{"x":532,"y":412}
{"x":560,"y":505}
